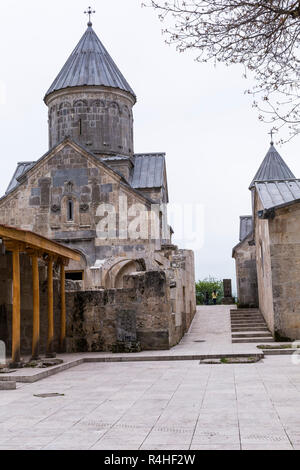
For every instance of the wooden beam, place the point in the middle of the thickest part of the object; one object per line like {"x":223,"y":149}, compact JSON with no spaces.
{"x":16,"y":314}
{"x":32,"y":240}
{"x":36,"y":307}
{"x":50,"y":348}
{"x":63,"y":309}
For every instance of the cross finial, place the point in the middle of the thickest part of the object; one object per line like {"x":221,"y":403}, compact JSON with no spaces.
{"x":271,"y":133}
{"x":89,"y":12}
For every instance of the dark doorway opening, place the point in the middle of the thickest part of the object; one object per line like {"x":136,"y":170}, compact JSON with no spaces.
{"x":74,"y":276}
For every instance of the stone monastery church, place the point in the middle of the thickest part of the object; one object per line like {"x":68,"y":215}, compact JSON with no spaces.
{"x":122,"y":293}
{"x":268,"y":255}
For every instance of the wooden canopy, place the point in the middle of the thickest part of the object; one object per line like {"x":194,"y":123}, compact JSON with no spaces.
{"x":23,"y":241}
{"x":31,"y":241}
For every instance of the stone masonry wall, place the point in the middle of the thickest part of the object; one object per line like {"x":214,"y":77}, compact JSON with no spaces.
{"x":40,"y":204}
{"x":246,"y":273}
{"x":100,"y":119}
{"x":93,"y":316}
{"x":285,"y":258}
{"x":181,"y":275}
{"x":264,"y":269}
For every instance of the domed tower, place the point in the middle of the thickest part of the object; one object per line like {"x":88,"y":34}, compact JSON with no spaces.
{"x":91,"y":102}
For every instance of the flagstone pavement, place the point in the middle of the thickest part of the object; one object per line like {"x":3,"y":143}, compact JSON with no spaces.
{"x":176,"y":405}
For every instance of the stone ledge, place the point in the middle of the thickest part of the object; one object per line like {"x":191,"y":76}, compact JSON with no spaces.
{"x":280,"y":352}
{"x":111,"y":359}
{"x":8,"y":385}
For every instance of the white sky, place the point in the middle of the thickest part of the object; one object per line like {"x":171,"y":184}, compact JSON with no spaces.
{"x":194,"y":112}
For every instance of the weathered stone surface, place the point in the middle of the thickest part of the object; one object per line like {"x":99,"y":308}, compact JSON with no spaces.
{"x":96,"y":117}
{"x":8,"y":385}
{"x":98,"y":320}
{"x":245,"y":259}
{"x":66,"y":197}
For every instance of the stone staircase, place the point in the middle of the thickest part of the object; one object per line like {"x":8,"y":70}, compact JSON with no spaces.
{"x":249,"y":326}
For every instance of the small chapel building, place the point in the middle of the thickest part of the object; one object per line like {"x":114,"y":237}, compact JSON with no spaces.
{"x":86,"y":194}
{"x":268,"y":255}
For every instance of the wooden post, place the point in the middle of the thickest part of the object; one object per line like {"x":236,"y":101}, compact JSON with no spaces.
{"x":36,"y":308}
{"x":63,"y":309}
{"x":50,"y":341}
{"x":16,"y":313}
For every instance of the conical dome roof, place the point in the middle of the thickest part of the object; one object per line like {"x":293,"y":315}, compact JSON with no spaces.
{"x":272,"y":168}
{"x":90,"y":64}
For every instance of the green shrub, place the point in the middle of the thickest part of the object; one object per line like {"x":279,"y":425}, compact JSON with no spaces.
{"x":209,"y":285}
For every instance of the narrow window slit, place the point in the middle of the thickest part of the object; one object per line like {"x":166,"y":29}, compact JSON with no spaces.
{"x":70,"y":211}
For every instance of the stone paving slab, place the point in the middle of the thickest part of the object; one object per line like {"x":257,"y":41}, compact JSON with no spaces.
{"x":176,"y":405}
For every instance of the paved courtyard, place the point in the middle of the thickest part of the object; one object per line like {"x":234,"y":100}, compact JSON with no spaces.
{"x":176,"y":405}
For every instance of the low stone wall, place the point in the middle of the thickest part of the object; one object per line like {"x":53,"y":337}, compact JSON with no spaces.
{"x":141,"y":310}
{"x":149,"y":309}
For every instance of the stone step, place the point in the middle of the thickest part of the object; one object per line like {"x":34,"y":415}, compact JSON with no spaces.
{"x":246,"y":314}
{"x":250,"y":334}
{"x":254,"y":340}
{"x":250,"y":328}
{"x":259,"y":320}
{"x":243,"y":321}
{"x":245,"y":310}
{"x":246,"y":317}
{"x":250,"y":323}
{"x":247,"y":328}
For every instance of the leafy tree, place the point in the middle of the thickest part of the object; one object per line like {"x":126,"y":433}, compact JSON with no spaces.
{"x":209,"y":285}
{"x":261,"y":35}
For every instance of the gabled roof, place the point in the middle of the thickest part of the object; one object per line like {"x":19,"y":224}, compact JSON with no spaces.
{"x":272,"y":168}
{"x":149,"y":170}
{"x":248,"y":239}
{"x":275,"y":194}
{"x":69,"y":141}
{"x":90,"y":64}
{"x":246,"y":226}
{"x":21,"y":169}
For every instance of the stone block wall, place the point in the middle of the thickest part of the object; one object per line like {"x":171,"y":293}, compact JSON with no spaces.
{"x":285,"y":258}
{"x":143,"y":309}
{"x":100,"y":119}
{"x":181,"y":275}
{"x":246,"y":274}
{"x":264,"y":269}
{"x":93,"y":315}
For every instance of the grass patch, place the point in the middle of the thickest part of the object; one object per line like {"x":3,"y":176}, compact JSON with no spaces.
{"x":232,"y":360}
{"x":277,"y":346}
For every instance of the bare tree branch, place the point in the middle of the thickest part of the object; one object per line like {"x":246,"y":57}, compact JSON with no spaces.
{"x":262,"y":35}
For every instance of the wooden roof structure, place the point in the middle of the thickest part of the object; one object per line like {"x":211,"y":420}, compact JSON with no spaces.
{"x":31,"y":241}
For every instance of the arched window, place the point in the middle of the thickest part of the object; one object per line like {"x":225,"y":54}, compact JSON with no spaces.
{"x":70,"y":209}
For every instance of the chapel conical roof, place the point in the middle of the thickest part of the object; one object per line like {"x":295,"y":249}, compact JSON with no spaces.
{"x":90,"y":64}
{"x":273,"y":168}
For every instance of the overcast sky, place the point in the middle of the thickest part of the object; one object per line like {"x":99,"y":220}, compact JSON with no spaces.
{"x":194,"y":112}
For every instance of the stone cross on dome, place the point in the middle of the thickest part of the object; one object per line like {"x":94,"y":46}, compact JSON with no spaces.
{"x":271,"y":133}
{"x":90,"y":12}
